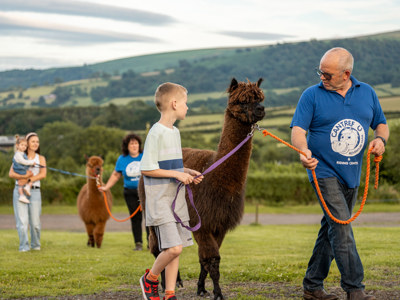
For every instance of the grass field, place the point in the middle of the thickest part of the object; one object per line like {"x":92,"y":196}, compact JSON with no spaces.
{"x":249,"y":208}
{"x":279,"y":254}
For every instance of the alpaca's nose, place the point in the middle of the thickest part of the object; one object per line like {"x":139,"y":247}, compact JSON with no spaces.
{"x":98,"y":170}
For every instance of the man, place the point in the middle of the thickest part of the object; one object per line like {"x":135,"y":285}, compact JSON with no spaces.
{"x":331,"y":126}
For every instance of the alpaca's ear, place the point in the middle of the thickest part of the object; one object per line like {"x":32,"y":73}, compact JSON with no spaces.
{"x":87,"y":158}
{"x":259,"y":82}
{"x":233,"y":86}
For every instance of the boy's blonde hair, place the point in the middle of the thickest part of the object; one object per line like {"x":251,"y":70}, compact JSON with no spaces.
{"x":165,"y":92}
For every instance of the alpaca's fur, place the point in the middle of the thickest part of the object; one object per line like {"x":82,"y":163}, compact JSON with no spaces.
{"x":90,"y":202}
{"x":219,"y":198}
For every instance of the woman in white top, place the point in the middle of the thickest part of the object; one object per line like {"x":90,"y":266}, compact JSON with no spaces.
{"x":28,"y":215}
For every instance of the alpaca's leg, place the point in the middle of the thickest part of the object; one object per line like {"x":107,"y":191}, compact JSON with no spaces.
{"x":98,"y":233}
{"x":214,"y":274}
{"x":201,"y":289}
{"x":209,"y":260}
{"x":89,"y":230}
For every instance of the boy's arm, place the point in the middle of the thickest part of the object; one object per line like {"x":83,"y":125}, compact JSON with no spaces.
{"x":19,"y":158}
{"x":161,"y":173}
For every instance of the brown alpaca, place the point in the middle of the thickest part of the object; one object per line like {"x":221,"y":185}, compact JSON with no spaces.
{"x":90,"y":202}
{"x":219,"y":198}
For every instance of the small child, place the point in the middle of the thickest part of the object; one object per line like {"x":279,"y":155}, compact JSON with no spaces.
{"x":161,"y":165}
{"x":21,"y":164}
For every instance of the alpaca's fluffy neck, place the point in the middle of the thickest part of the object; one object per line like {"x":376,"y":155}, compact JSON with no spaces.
{"x":92,"y":186}
{"x":232,"y":134}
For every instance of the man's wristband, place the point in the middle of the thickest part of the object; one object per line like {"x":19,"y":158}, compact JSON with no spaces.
{"x":382,"y":139}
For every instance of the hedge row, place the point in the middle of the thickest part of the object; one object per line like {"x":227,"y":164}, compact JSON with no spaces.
{"x":267,"y":189}
{"x":58,"y":191}
{"x":279,"y":188}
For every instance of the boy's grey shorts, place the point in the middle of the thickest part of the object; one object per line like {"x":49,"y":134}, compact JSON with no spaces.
{"x":173,"y":234}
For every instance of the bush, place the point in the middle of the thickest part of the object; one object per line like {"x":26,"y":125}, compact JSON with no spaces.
{"x":276,"y":188}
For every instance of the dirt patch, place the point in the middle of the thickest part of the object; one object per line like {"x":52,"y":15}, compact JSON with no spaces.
{"x":237,"y":290}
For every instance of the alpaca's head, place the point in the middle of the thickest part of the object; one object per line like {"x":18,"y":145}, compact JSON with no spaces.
{"x":245,"y":101}
{"x":94,"y":166}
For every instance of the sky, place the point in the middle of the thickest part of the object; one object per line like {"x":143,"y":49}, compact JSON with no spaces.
{"x":43,"y":34}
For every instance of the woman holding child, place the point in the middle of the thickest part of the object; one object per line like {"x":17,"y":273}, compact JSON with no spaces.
{"x":28,"y":214}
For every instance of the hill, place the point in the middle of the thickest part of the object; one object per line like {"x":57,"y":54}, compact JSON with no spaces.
{"x":288,"y":67}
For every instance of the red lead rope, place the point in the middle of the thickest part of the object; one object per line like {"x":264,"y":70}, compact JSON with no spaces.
{"x":376,"y":160}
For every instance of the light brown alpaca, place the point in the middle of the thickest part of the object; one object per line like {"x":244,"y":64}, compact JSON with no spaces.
{"x":219,"y":198}
{"x":90,"y":202}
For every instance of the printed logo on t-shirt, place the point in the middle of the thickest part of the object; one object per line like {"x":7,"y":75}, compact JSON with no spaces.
{"x":133,"y":169}
{"x":347,"y":137}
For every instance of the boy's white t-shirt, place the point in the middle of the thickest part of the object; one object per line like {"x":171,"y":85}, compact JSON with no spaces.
{"x":163,"y":150}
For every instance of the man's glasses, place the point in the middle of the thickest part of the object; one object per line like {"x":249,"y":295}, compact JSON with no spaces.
{"x":327,"y":76}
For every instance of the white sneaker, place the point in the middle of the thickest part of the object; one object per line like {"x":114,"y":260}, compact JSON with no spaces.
{"x":23,"y":199}
{"x":27,"y":189}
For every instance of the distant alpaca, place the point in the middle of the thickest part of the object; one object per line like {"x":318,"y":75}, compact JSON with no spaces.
{"x":219,"y":198}
{"x":90,"y":202}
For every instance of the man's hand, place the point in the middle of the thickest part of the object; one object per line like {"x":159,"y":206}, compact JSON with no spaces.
{"x":378,"y":147}
{"x":308,"y":162}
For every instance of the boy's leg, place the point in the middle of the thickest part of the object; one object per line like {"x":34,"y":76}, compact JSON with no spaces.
{"x":164,"y":259}
{"x":171,"y":272}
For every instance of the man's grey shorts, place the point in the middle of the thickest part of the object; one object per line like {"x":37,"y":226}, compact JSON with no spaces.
{"x":173,"y":234}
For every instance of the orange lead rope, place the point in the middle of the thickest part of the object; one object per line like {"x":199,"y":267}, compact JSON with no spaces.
{"x":109,"y":211}
{"x":376,"y":160}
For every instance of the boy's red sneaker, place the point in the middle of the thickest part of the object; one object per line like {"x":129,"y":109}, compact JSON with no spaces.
{"x":149,"y":288}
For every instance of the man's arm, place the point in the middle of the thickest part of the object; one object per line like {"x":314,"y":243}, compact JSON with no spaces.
{"x":299,"y":140}
{"x":381,"y":134}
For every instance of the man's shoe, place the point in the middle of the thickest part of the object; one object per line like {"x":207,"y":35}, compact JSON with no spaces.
{"x":359,"y":295}
{"x":149,"y":288}
{"x":171,"y":298}
{"x":319,"y":295}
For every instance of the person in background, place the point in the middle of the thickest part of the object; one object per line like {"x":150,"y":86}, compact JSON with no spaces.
{"x":29,"y":214}
{"x":128,"y":167}
{"x":330,"y":125}
{"x":21,"y":165}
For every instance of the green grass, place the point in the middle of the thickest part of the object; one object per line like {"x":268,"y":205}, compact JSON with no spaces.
{"x":279,"y":254}
{"x":371,"y":207}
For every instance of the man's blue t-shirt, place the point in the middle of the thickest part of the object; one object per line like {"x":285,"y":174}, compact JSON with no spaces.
{"x":130,"y":168}
{"x":338,"y":128}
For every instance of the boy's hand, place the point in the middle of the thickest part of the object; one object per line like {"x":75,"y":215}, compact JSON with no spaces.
{"x":185,"y":178}
{"x":195,"y":173}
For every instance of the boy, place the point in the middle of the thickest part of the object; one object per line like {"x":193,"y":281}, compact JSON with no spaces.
{"x":162,"y":166}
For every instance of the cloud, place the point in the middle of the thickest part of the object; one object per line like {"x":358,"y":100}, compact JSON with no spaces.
{"x":66,"y":34}
{"x":249,"y":35}
{"x":87,"y":9}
